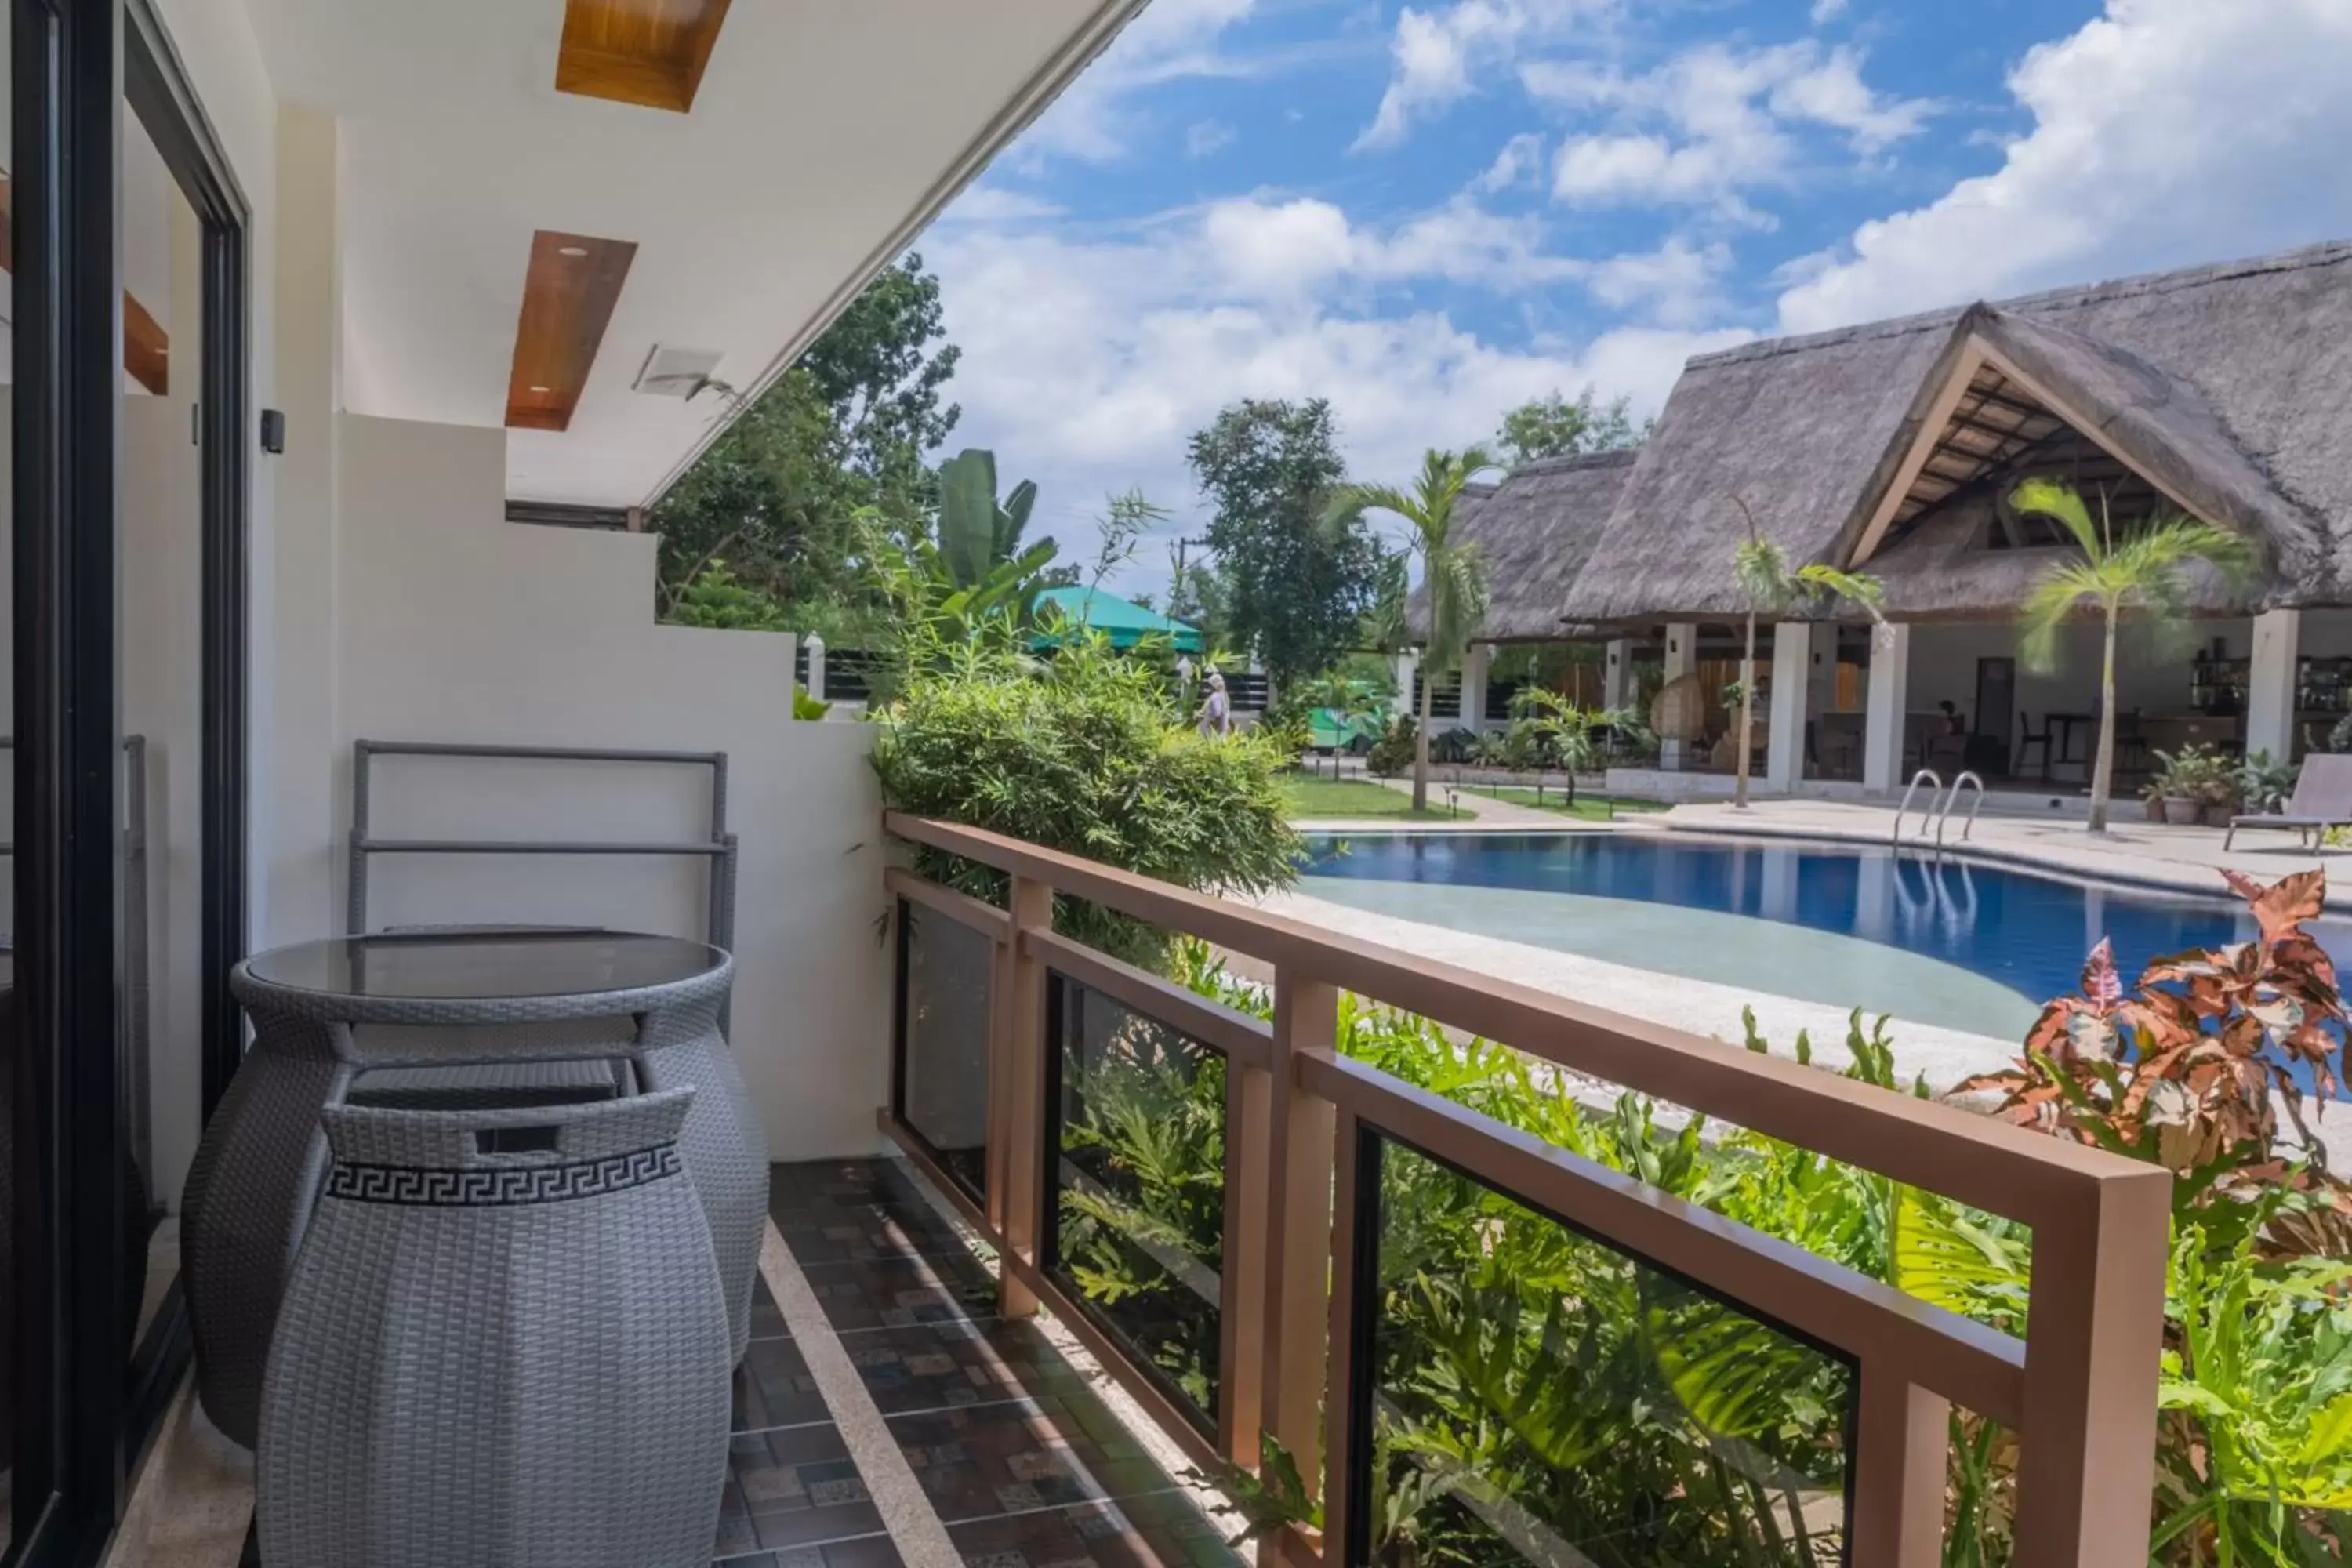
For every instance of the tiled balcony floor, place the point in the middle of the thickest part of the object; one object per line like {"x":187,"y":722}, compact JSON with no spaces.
{"x":1020,"y":1462}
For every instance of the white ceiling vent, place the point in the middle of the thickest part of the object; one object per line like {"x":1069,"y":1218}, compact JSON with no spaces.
{"x":671,"y":372}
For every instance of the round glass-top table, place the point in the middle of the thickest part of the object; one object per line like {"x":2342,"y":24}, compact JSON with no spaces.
{"x":482,"y":1022}
{"x":486,"y":976}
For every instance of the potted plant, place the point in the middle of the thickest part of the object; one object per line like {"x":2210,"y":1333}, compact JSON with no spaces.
{"x":2184,"y":781}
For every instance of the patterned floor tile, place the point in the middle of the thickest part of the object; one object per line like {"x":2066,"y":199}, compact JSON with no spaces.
{"x":830,"y":1218}
{"x":866,"y":1552}
{"x":767,"y":1317}
{"x":794,"y":1487}
{"x":774,"y":1388}
{"x":935,"y":1366}
{"x":897,"y":1293}
{"x":1017,"y":1458}
{"x":1159,"y":1530}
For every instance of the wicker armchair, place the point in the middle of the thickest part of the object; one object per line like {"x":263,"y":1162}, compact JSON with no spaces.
{"x":504,"y":1345}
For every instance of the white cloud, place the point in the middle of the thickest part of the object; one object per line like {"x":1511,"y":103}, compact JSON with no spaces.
{"x":1437,"y":55}
{"x":1087,"y":362}
{"x":1712,"y":122}
{"x":2165,"y":132}
{"x":994,"y":204}
{"x":1093,"y":120}
{"x":1827,"y":11}
{"x":1204,"y":136}
{"x":1677,"y":284}
{"x":1520,"y":163}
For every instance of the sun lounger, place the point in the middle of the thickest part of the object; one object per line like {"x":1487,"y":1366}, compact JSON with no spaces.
{"x":2321,"y":800}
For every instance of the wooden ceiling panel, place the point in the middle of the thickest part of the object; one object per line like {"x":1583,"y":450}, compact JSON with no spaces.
{"x":568,"y":295}
{"x":648,"y":52}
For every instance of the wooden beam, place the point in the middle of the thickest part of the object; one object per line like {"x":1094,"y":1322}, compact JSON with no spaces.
{"x":146,"y":347}
{"x":651,"y":53}
{"x":568,"y":295}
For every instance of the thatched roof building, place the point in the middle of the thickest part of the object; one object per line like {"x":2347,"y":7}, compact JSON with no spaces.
{"x":2225,"y":391}
{"x":1534,"y":533}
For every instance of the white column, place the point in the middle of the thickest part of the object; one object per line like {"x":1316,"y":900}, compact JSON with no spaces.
{"x":1885,"y":708}
{"x":2270,"y":684}
{"x":1617,"y":673}
{"x":1406,"y":663}
{"x":301,"y":792}
{"x":1792,"y":673}
{"x":1682,"y":650}
{"x":815,"y":645}
{"x":1476,"y":664}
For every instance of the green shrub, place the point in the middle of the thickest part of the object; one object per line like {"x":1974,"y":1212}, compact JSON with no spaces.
{"x":1083,"y":753}
{"x":1392,"y":754}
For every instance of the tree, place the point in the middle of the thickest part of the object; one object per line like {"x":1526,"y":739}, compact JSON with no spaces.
{"x":1555,"y":426}
{"x":1451,"y":571}
{"x":876,"y":369}
{"x":1300,"y":571}
{"x":847,"y":428}
{"x":2142,"y":570}
{"x":1761,"y":569}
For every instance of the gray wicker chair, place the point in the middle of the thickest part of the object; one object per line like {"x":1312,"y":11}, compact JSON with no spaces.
{"x":258,"y":1168}
{"x":504,"y":1345}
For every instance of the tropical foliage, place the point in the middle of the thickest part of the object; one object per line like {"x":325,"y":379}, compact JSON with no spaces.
{"x":1539,"y":1394}
{"x":1452,"y":574}
{"x":2142,"y":569}
{"x":1556,"y":426}
{"x":1761,"y":567}
{"x":1086,"y":752}
{"x":1294,"y":578}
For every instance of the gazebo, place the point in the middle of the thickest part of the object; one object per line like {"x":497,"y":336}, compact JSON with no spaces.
{"x":1123,"y":621}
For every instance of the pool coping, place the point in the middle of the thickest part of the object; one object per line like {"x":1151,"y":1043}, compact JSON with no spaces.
{"x":2192,"y":883}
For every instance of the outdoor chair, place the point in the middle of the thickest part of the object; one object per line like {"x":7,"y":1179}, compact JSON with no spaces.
{"x":2321,"y":800}
{"x":2028,"y":737}
{"x":504,"y":1341}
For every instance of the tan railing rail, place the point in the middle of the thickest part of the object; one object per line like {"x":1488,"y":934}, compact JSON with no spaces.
{"x":2079,"y":1390}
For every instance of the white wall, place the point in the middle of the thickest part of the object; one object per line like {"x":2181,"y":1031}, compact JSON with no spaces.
{"x":456,"y":625}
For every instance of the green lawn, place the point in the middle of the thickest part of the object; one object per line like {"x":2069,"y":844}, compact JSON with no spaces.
{"x":1334,"y":799}
{"x":1589,"y":806}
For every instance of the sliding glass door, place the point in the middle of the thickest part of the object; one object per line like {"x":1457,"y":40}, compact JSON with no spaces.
{"x":128,"y":441}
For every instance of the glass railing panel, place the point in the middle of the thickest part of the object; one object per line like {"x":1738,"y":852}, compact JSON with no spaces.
{"x":1135,"y":1230}
{"x":1535,"y":1394}
{"x":940,"y":1057}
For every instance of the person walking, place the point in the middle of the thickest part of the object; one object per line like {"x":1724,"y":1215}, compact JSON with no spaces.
{"x":1216,"y":716}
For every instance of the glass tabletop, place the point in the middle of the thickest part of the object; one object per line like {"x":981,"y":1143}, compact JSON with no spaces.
{"x":484,"y":964}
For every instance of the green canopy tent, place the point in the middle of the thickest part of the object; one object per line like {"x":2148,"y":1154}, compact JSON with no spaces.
{"x":1124,"y":622}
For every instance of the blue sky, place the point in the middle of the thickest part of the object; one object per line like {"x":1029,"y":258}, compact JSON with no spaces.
{"x":1430,"y":212}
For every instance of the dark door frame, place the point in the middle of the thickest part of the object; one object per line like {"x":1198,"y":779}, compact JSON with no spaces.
{"x":81,"y":1415}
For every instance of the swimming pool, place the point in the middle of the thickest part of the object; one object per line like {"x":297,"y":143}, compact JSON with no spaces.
{"x":1966,"y":945}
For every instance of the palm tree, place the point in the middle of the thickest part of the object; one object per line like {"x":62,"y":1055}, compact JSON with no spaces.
{"x":1761,"y":569}
{"x":2141,"y":570}
{"x":1450,"y":569}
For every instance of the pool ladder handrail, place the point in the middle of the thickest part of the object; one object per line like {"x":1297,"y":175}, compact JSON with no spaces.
{"x":1936,"y":792}
{"x":1952,"y":798}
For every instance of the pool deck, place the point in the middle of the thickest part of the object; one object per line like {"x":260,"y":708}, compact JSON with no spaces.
{"x":2132,"y":851}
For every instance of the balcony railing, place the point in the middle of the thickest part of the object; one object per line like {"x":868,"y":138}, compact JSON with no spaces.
{"x":1017,"y":1047}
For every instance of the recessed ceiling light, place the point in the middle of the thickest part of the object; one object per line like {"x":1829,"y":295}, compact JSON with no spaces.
{"x":571,"y":250}
{"x":538,"y":389}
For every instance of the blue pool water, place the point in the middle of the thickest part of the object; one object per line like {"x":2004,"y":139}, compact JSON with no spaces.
{"x":1681,"y":905}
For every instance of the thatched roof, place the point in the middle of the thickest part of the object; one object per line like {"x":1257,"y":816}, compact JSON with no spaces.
{"x":1534,"y":533}
{"x":2226,"y":387}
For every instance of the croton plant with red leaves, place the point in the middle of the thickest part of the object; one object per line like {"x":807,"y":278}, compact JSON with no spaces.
{"x":2192,"y":1067}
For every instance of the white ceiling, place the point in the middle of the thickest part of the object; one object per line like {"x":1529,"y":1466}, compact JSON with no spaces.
{"x":824,"y":132}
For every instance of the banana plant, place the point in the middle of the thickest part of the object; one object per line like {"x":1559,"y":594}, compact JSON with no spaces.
{"x":977,"y":533}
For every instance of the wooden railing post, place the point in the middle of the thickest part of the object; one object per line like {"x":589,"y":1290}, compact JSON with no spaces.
{"x":1298,"y":1239}
{"x":2093,"y":1338}
{"x":1902,"y":1444}
{"x":1250,"y":1193}
{"x":1021,"y":1054}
